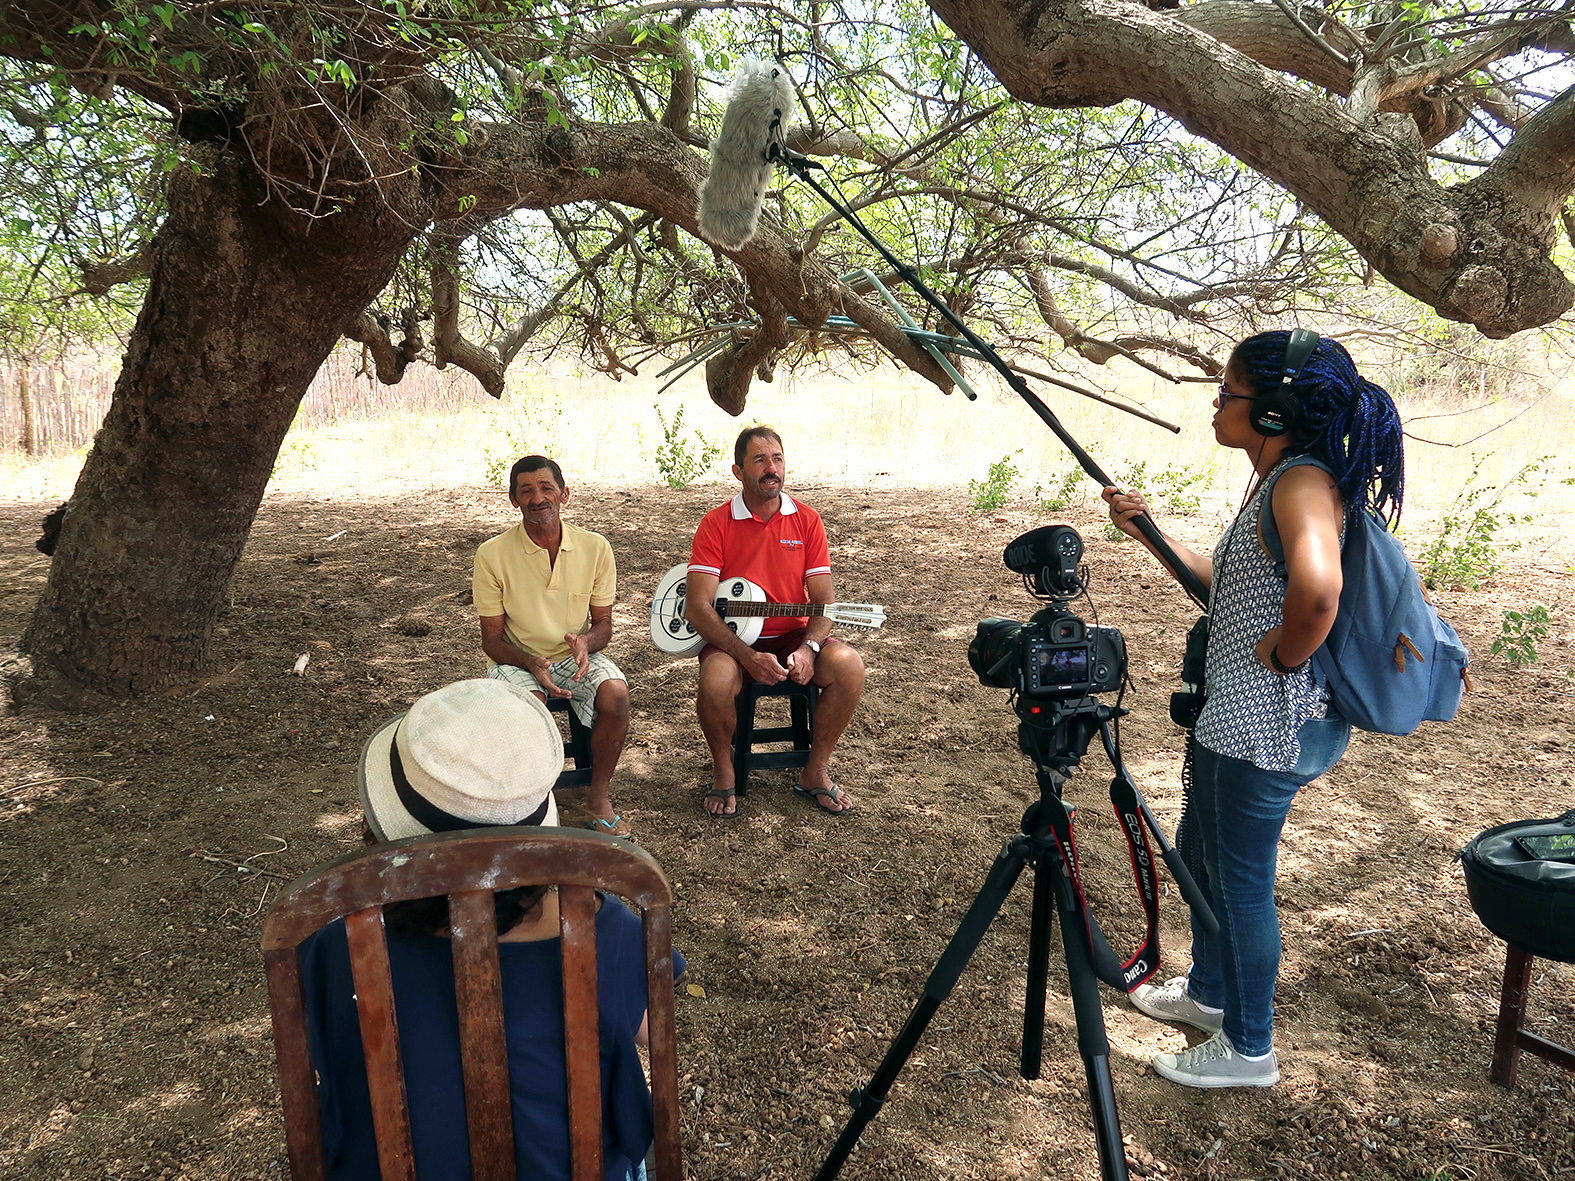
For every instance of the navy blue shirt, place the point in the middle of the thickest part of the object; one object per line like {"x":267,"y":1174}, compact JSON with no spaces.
{"x":427,"y":1013}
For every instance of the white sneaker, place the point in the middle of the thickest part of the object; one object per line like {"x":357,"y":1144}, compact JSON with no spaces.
{"x":1215,"y":1063}
{"x":1169,"y":1002}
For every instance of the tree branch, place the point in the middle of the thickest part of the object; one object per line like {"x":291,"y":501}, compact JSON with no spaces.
{"x":1479,"y":253}
{"x":648,"y":167}
{"x":1538,"y":166}
{"x":99,"y":276}
{"x":374,"y":331}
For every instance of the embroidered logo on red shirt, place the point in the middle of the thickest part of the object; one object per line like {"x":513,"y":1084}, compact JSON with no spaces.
{"x":790,"y":543}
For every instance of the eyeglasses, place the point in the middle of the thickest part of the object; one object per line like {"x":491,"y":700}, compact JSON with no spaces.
{"x":1225,"y":395}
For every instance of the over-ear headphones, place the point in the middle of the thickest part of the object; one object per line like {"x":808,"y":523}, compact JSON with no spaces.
{"x":1277,"y":411}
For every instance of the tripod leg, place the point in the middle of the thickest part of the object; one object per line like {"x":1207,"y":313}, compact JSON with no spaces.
{"x":1092,"y":1045}
{"x":1038,"y":973}
{"x":868,"y":1100}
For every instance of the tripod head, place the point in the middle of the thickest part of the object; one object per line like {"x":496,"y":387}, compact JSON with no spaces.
{"x":1055,"y":734}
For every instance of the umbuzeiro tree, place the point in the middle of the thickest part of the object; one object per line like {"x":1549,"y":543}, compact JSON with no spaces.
{"x":345,"y":169}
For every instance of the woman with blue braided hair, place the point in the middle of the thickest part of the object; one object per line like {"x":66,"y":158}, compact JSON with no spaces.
{"x":1266,"y":729}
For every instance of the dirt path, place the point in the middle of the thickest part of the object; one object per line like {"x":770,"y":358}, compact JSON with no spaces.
{"x":140,"y":846}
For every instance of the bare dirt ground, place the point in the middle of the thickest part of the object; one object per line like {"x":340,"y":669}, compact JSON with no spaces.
{"x":140,"y":846}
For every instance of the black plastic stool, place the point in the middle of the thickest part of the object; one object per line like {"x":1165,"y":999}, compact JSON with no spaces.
{"x":801,"y":702}
{"x":577,"y":748}
{"x":1525,"y":894}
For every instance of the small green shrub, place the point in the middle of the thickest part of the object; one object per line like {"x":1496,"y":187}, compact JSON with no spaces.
{"x":1465,"y":555}
{"x":1182,"y":488}
{"x":1061,"y":499}
{"x":678,"y":461}
{"x":1134,"y":479}
{"x":1522,"y":632}
{"x":495,"y":463}
{"x":528,"y":424}
{"x":297,"y":450}
{"x":990,"y":494}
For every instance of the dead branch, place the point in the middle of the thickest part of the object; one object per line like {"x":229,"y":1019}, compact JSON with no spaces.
{"x":99,"y":277}
{"x":728,"y":373}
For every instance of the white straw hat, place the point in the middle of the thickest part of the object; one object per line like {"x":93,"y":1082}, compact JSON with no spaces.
{"x":474,"y":753}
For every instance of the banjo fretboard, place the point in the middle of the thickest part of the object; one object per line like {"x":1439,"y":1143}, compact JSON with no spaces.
{"x":732,"y":608}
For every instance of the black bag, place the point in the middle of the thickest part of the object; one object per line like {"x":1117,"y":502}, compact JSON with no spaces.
{"x":1522,"y":884}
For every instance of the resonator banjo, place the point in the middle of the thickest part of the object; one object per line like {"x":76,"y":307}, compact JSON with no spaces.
{"x":743,"y":607}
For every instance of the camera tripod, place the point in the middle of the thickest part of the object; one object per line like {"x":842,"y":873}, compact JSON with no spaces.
{"x":1055,"y":735}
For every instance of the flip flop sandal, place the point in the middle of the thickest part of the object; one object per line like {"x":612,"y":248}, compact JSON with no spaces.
{"x":816,"y":794}
{"x":728,"y":794}
{"x":608,"y":827}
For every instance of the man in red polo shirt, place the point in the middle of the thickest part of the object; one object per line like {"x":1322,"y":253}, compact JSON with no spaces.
{"x":766,"y":536}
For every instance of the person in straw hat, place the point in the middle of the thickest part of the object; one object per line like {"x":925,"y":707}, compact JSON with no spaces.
{"x":469,"y":755}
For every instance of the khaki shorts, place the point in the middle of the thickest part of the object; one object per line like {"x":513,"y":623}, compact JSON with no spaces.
{"x":583,"y":691}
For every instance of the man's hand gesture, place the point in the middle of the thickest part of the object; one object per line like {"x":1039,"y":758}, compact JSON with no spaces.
{"x":580,"y":650}
{"x":766,"y":668}
{"x":542,"y":671}
{"x":801,"y":665}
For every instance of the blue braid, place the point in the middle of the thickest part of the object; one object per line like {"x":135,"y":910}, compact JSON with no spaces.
{"x":1346,"y":421}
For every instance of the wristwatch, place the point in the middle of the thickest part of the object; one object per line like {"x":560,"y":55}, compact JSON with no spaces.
{"x":813,"y":646}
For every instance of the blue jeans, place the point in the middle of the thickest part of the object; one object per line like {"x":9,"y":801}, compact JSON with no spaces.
{"x":1236,"y":811}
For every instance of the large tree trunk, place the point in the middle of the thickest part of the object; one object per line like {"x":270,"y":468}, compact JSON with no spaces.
{"x":246,"y":299}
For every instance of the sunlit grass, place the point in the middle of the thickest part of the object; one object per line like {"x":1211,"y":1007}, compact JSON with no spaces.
{"x":855,"y":426}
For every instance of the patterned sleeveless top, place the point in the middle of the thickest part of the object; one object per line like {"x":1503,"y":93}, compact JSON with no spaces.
{"x":1251,"y":712}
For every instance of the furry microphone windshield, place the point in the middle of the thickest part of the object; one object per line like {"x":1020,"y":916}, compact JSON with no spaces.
{"x":759,"y":106}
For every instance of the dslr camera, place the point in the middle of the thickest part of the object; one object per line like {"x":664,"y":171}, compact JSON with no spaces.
{"x":1055,"y":655}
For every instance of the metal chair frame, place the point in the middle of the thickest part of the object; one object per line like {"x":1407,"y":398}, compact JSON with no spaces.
{"x":578,"y":747}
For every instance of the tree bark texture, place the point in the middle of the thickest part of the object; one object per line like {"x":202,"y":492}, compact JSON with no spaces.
{"x":246,"y":299}
{"x":1479,"y":252}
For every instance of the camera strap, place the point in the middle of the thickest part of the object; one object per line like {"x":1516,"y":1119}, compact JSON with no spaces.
{"x":1138,"y":967}
{"x":1124,"y":799}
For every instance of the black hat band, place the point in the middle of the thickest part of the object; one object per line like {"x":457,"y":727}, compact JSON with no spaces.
{"x":428,"y":814}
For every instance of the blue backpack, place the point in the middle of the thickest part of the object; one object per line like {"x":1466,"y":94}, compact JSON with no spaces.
{"x":1390,"y":662}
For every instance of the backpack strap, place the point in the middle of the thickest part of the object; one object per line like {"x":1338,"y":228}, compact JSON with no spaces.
{"x":1268,"y":528}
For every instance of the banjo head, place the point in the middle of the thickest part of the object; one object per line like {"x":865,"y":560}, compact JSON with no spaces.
{"x":741,"y":590}
{"x":672,"y":633}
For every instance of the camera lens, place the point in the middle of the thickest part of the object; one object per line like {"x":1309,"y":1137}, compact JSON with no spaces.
{"x":992,"y":651}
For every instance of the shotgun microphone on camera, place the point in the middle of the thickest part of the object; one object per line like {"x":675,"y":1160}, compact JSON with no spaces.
{"x":1049,"y":557}
{"x":753,"y":138}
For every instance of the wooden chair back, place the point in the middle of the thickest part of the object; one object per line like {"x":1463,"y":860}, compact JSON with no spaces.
{"x":468,"y":867}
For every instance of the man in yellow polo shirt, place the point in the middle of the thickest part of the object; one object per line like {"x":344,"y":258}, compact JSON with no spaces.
{"x":544,"y":591}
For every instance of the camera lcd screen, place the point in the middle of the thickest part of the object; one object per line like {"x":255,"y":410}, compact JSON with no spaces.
{"x":1062,"y":666}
